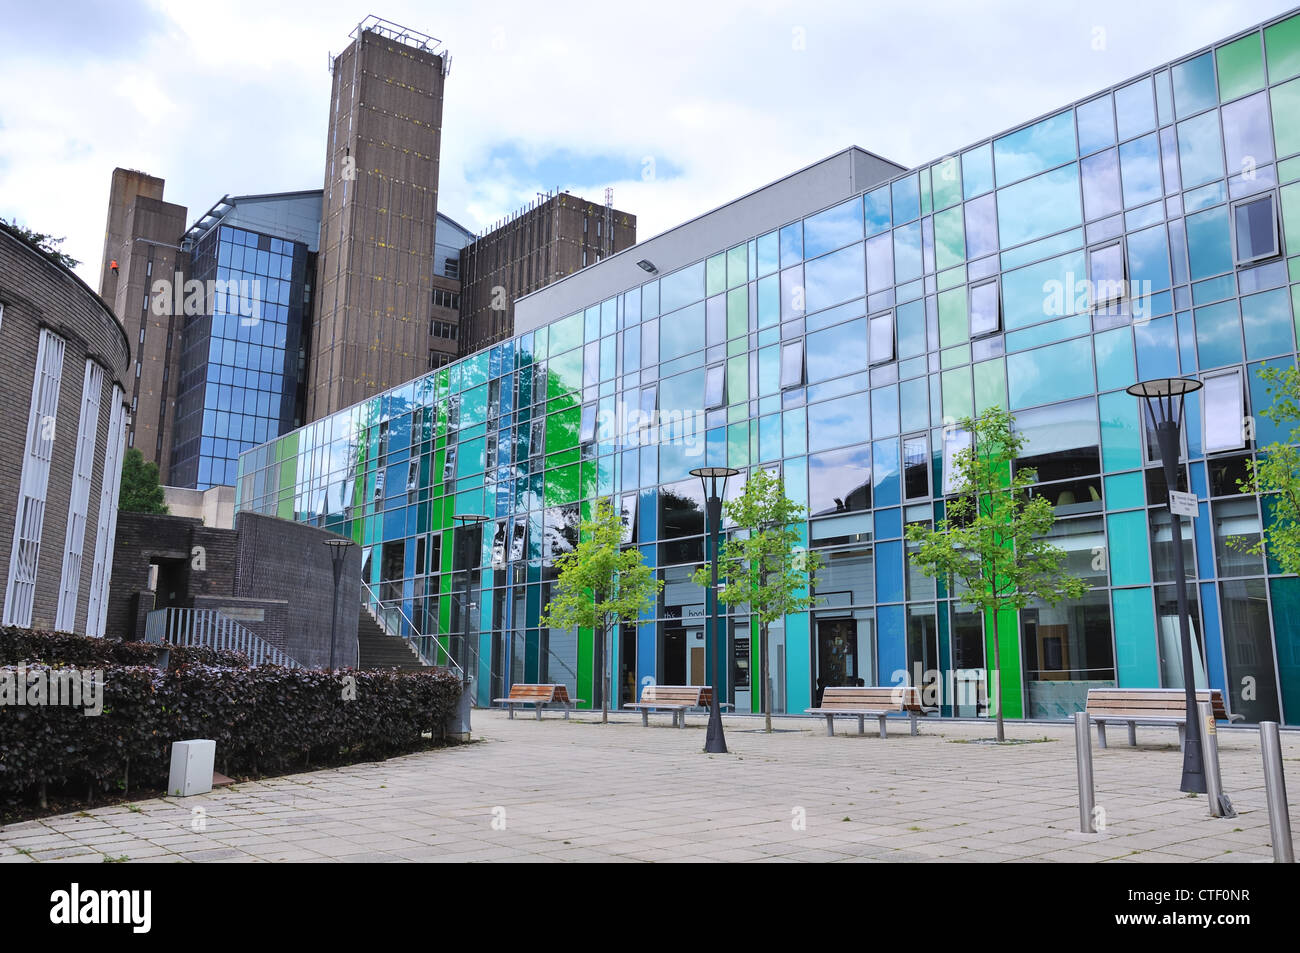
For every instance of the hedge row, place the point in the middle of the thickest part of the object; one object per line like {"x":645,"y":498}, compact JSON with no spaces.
{"x":32,"y":645}
{"x":263,"y":719}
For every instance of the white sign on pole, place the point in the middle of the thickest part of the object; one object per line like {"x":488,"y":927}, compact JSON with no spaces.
{"x":1184,"y":504}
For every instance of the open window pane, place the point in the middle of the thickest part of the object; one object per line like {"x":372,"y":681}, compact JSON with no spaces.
{"x":881,"y":331}
{"x":1256,"y":227}
{"x":955,"y":440}
{"x":715,"y":386}
{"x":1106,"y":274}
{"x":588,"y":427}
{"x":1224,"y":412}
{"x":916,"y":473}
{"x":985,"y":315}
{"x":791,"y":365}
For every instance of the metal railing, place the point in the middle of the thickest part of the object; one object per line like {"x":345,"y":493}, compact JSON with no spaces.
{"x":386,"y":614}
{"x":211,"y":629}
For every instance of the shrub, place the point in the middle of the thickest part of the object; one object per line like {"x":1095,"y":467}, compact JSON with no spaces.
{"x":263,"y":720}
{"x":32,"y":645}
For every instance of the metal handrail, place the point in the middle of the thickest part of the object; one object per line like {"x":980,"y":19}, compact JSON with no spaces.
{"x":177,"y":625}
{"x":396,"y":604}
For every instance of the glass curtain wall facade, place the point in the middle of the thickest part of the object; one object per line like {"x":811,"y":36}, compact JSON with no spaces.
{"x":1143,"y":232}
{"x":242,"y":363}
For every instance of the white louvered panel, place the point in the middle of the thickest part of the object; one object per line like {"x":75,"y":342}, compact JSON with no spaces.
{"x":106,"y":527}
{"x":79,"y":502}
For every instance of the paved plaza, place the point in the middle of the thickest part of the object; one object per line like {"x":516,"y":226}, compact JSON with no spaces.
{"x":580,"y":791}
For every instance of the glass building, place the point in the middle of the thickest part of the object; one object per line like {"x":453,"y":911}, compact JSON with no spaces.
{"x":242,"y":357}
{"x":1142,"y":232}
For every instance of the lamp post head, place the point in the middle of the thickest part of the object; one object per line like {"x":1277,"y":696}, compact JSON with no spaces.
{"x":338,"y":547}
{"x":709,"y":477}
{"x":1164,"y":397}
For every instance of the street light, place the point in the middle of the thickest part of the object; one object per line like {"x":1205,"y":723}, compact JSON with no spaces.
{"x":715,"y":645}
{"x":1164,"y":399}
{"x":338,"y":547}
{"x":467,"y":521}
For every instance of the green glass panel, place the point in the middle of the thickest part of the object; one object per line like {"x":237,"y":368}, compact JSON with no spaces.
{"x":954,"y":328}
{"x":566,"y":334}
{"x":1050,"y":374}
{"x":954,"y":356}
{"x":563,"y":429}
{"x":738,"y":445}
{"x":562,"y":485}
{"x":957,"y":394}
{"x":1039,"y":206}
{"x":1282,"y":43}
{"x":716,"y":275}
{"x":952,"y":278}
{"x":949,"y":239}
{"x":1286,"y":117}
{"x":1127,"y":536}
{"x":1136,"y":665}
{"x":1194,"y":85}
{"x":1241,"y":67}
{"x":737,"y":266}
{"x":1121,"y":444}
{"x":1114,"y":350}
{"x":945,"y":177}
{"x":564,"y":374}
{"x":738,"y":379}
{"x":1266,"y":319}
{"x":1125,"y":491}
{"x":990,"y":385}
{"x":1288,"y":171}
{"x":737,"y":312}
{"x":1291,"y":217}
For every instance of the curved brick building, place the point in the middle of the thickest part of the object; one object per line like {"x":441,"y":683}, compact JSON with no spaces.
{"x":64,"y":358}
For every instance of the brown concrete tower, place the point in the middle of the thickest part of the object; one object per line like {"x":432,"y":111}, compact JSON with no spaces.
{"x":376,"y":265}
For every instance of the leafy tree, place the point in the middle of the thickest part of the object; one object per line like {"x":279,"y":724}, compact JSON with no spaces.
{"x":992,"y":540}
{"x":141,"y":492}
{"x":600,"y":586}
{"x":48,"y":244}
{"x":1276,"y":475}
{"x":765,"y":566}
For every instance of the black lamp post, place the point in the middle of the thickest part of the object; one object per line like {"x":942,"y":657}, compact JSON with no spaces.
{"x":1164,"y":400}
{"x":466,"y":521}
{"x":715,"y":643}
{"x":338,"y":547}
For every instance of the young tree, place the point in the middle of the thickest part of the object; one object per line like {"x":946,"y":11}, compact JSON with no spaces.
{"x":993,"y":537}
{"x":141,"y":492}
{"x":600,"y":586}
{"x":764,"y":567}
{"x":1276,"y":475}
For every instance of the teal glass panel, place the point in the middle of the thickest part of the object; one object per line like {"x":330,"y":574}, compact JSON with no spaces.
{"x":884,"y":413}
{"x":876,"y":205}
{"x":769,"y":438}
{"x":945,"y":179}
{"x":1031,"y":150}
{"x":1135,"y":647}
{"x":1039,"y":206}
{"x":1049,"y":289}
{"x":907,"y":199}
{"x":910,"y":319}
{"x":683,"y":392}
{"x":769,"y":301}
{"x":1209,"y":244}
{"x":566,"y":334}
{"x":1049,"y":333}
{"x":1121,"y":443}
{"x":907,"y":253}
{"x":1267,"y":321}
{"x":681,"y":288}
{"x":1043,"y":248}
{"x":1194,"y":87}
{"x":1148,"y":260}
{"x":794,"y":432}
{"x":469,"y":457}
{"x":1139,"y":162}
{"x":1286,"y":628}
{"x":1127,"y":537}
{"x":1096,"y":121}
{"x":1050,"y":374}
{"x":1157,"y":349}
{"x":949,"y":239}
{"x":769,"y":370}
{"x":838,"y":423}
{"x":832,"y":229}
{"x":836,"y":277}
{"x":1125,"y":491}
{"x":769,"y":253}
{"x":977,"y":171}
{"x":1114,"y":352}
{"x":1218,"y":335}
{"x":1266,"y":431}
{"x":1135,"y":111}
{"x":1200,"y":150}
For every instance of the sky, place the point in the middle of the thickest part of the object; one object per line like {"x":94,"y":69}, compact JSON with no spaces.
{"x":678,"y":106}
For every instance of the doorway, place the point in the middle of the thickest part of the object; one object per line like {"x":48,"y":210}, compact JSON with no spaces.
{"x":837,"y":654}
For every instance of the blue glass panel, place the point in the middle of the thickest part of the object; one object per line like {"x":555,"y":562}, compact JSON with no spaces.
{"x":1046,"y":290}
{"x":1027,"y":151}
{"x":1039,"y":206}
{"x":884,"y":411}
{"x":833,"y":228}
{"x":981,"y":227}
{"x":1140,"y":161}
{"x":1148,"y":260}
{"x":907,"y":253}
{"x":837,"y":423}
{"x":907,"y":199}
{"x":1194,"y":87}
{"x":889,"y":572}
{"x":876,"y":204}
{"x":836,"y":277}
{"x":1157,"y":349}
{"x":1134,"y":109}
{"x":1267,"y":321}
{"x":977,"y":171}
{"x":1101,"y":185}
{"x":1218,"y":335}
{"x":1247,"y":134}
{"x":840,"y":350}
{"x":1209,"y":246}
{"x":1200,"y":150}
{"x":1213,"y":635}
{"x":681,"y":288}
{"x":1096,"y":121}
{"x":886,"y":488}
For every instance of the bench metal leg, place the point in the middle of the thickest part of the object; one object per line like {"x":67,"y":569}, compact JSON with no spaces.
{"x":830,"y":726}
{"x":861,"y":721}
{"x":567,"y":706}
{"x":538,"y":709}
{"x":645,"y":718}
{"x":1132,"y":734}
{"x":511,"y":709}
{"x":912,"y":716}
{"x":1182,"y":737}
{"x":884,"y":733}
{"x":1101,"y":734}
{"x":680,"y":716}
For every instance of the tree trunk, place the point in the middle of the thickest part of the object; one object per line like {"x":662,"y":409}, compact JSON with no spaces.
{"x":603,"y":667}
{"x":997,"y":668}
{"x":767,"y":685}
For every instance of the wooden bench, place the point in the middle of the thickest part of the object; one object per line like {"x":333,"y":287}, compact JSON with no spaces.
{"x":537,"y":696}
{"x":674,"y":698}
{"x":1149,"y":706}
{"x":877,"y":702}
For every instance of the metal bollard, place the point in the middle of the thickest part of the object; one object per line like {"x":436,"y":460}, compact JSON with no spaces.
{"x":1220,"y":806}
{"x":1083,"y":754}
{"x":1279,"y":821}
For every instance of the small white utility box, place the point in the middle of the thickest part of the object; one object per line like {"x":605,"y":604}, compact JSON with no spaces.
{"x":191,"y":772}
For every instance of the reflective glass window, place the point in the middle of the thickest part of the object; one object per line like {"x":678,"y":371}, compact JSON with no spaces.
{"x":1148,"y":257}
{"x":907,"y":199}
{"x":949,"y":239}
{"x":1140,"y":165}
{"x":1194,"y":87}
{"x":977,"y":171}
{"x":880,"y":262}
{"x":681,"y":288}
{"x":836,"y":423}
{"x":1027,"y":151}
{"x":1134,"y":109}
{"x":1039,"y":206}
{"x":1209,"y":250}
{"x":981,"y":235}
{"x":882,"y":338}
{"x":1096,"y":121}
{"x":1200,"y":150}
{"x":682,"y":332}
{"x":791,"y":365}
{"x":985,"y":313}
{"x":833,"y":228}
{"x":837,"y":351}
{"x":1101,"y":186}
{"x":1218,"y":334}
{"x":907,"y":253}
{"x":839,"y":482}
{"x":1255,"y":225}
{"x":833,"y":278}
{"x":876,"y":205}
{"x":1247,"y":136}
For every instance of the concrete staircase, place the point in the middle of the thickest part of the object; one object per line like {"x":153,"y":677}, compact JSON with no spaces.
{"x":377,"y":649}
